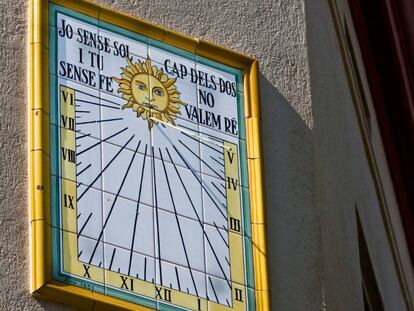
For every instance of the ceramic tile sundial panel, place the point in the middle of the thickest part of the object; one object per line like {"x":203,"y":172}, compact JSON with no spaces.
{"x":149,"y":176}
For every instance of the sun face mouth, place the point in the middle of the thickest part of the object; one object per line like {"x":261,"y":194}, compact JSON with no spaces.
{"x":150,"y":93}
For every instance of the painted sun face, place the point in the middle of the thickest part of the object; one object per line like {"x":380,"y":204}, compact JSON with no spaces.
{"x":150,"y":93}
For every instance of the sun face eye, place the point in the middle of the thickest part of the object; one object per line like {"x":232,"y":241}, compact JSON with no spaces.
{"x":158,"y":92}
{"x":141,"y":86}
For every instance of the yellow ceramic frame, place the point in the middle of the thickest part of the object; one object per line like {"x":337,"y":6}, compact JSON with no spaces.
{"x":39,"y":173}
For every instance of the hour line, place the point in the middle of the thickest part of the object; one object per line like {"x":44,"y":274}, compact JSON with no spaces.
{"x":110,"y":162}
{"x":203,"y":143}
{"x":145,"y":269}
{"x":218,"y":189}
{"x":137,"y":211}
{"x":178,"y":279}
{"x":198,"y":137}
{"x":95,"y":104}
{"x":217,"y":161}
{"x":101,"y":141}
{"x":214,"y":291}
{"x":189,"y":149}
{"x":82,"y":136}
{"x":198,"y":217}
{"x":84,"y":170}
{"x":112,"y":259}
{"x":156,"y":216}
{"x":85,"y":223}
{"x":99,"y":121}
{"x":185,"y":189}
{"x":78,"y":91}
{"x":201,"y":183}
{"x":222,"y":237}
{"x":113,"y":204}
{"x":178,"y":223}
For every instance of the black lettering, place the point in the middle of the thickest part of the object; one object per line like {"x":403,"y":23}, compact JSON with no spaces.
{"x":125,"y":283}
{"x":158,"y":292}
{"x":66,"y":30}
{"x":167,"y":294}
{"x":233,"y":89}
{"x":68,"y":155}
{"x":68,"y":122}
{"x":238,"y":294}
{"x":234,"y":126}
{"x":166,"y":66}
{"x":68,"y":200}
{"x":183,"y":70}
{"x":65,"y":97}
{"x":235,"y":224}
{"x":162,"y":293}
{"x":86,"y":268}
{"x":105,"y":83}
{"x":96,"y":60}
{"x":206,"y":98}
{"x":228,"y":87}
{"x":193,"y":74}
{"x":232,"y":183}
{"x":80,"y":56}
{"x":231,"y":156}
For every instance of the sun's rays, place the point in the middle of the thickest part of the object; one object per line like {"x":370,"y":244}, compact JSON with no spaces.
{"x":149,"y":92}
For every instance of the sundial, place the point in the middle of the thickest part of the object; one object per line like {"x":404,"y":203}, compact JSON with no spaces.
{"x":149,"y":175}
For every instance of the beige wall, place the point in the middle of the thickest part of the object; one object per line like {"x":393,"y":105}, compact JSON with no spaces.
{"x":315,"y":164}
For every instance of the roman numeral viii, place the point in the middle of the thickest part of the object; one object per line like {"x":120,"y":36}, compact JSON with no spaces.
{"x":68,"y":155}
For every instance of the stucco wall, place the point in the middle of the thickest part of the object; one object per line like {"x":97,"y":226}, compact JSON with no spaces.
{"x":307,"y":137}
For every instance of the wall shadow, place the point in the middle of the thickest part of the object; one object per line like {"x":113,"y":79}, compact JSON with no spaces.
{"x":292,"y":221}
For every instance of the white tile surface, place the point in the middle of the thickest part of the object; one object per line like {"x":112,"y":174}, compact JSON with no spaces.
{"x":76,"y":61}
{"x":88,"y":162}
{"x":75,"y":24}
{"x":112,"y":65}
{"x":119,"y":222}
{"x":169,"y":59}
{"x":214,"y":202}
{"x":129,"y":263}
{"x":89,"y":209}
{"x":117,"y":169}
{"x":183,"y":148}
{"x":212,"y":155}
{"x":183,"y":247}
{"x":122,"y":46}
{"x":217,"y":252}
{"x":219,"y":291}
{"x":180,"y":278}
{"x":218,"y":110}
{"x":119,"y":125}
{"x":184,"y":187}
{"x":87,"y":108}
{"x":90,"y":251}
